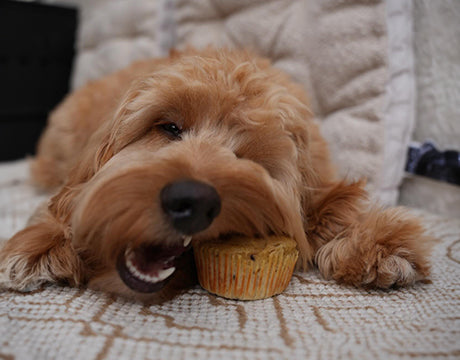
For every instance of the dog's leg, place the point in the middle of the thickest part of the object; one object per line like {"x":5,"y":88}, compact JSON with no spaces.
{"x":363,"y":245}
{"x":40,"y":253}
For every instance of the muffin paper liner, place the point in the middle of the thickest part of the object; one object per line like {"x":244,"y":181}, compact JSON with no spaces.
{"x":243,"y":276}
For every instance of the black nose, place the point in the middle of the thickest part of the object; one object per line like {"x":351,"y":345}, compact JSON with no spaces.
{"x":191,"y":205}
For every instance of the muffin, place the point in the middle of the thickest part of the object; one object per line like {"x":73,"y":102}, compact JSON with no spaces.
{"x":246,"y":268}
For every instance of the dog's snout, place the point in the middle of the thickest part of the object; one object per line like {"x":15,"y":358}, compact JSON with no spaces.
{"x":190,"y":205}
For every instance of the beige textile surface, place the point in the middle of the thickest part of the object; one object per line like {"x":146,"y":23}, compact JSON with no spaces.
{"x":434,"y":196}
{"x":399,"y":117}
{"x":114,"y":33}
{"x":313,"y":319}
{"x":437,"y":52}
{"x":437,"y":65}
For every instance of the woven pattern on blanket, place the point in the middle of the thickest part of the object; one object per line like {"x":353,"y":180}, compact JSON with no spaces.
{"x":313,"y":318}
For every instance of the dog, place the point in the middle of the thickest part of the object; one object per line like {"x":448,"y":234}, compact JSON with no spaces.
{"x":200,"y":145}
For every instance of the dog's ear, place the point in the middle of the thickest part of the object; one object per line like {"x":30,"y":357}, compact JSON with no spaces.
{"x":40,"y":253}
{"x":131,"y":120}
{"x":103,"y":153}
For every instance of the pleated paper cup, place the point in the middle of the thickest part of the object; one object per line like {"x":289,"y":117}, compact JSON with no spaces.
{"x":246,"y":268}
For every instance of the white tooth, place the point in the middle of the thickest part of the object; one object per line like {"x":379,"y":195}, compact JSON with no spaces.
{"x":130,"y":265}
{"x":151,"y":279}
{"x":128,"y":252}
{"x":187,"y":240}
{"x":163,"y":274}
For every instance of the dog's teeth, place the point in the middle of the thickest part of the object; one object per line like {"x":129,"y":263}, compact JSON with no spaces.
{"x":187,"y":240}
{"x":163,"y":274}
{"x":131,"y":266}
{"x":128,"y":252}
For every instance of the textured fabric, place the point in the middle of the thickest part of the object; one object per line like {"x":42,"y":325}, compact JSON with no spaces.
{"x":276,"y":29}
{"x":437,"y":66}
{"x":312,"y":319}
{"x":335,"y":48}
{"x":114,"y":33}
{"x":435,"y":196}
{"x":401,"y":93}
{"x":18,"y":198}
{"x":437,"y":51}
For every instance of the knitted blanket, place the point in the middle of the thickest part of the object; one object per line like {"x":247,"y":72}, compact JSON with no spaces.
{"x":313,"y":318}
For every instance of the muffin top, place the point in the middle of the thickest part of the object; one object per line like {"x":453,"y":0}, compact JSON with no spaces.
{"x":251,"y":246}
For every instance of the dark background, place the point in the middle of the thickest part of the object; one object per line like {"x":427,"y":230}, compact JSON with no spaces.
{"x":36,"y":54}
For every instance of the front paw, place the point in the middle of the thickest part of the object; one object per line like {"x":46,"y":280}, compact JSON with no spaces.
{"x":376,"y":267}
{"x":36,"y":255}
{"x":16,"y":274}
{"x":393,"y":270}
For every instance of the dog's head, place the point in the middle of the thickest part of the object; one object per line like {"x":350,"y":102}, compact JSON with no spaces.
{"x":208,"y":145}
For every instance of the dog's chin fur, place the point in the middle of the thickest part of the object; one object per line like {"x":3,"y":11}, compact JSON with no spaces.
{"x":246,"y":130}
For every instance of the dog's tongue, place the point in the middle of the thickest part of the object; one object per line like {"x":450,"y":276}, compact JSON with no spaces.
{"x":149,"y":260}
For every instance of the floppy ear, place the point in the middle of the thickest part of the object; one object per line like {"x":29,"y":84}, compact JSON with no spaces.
{"x":43,"y":251}
{"x":130,"y":121}
{"x":40,"y":253}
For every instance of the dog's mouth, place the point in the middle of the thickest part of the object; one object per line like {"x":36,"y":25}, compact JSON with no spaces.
{"x":148,"y":268}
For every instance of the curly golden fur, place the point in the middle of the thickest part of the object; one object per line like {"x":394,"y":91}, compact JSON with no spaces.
{"x":246,"y":130}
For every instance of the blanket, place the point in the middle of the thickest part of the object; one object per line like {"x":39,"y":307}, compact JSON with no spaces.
{"x":313,"y":318}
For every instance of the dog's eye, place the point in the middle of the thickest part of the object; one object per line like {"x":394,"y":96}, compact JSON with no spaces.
{"x":171,"y":129}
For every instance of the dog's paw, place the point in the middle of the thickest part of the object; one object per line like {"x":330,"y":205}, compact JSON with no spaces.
{"x":39,"y":254}
{"x":377,"y":267}
{"x":392,"y":270}
{"x":385,"y":248}
{"x":15,"y":275}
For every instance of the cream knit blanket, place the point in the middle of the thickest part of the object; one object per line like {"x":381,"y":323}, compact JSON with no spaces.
{"x":312,"y":319}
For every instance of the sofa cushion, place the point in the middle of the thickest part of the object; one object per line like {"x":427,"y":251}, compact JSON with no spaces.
{"x":400,"y":114}
{"x":114,"y":33}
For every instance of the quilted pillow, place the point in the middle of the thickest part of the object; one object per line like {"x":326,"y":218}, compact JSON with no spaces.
{"x":114,"y":33}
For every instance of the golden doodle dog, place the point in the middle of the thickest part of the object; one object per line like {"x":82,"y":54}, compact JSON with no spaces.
{"x":192,"y":147}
